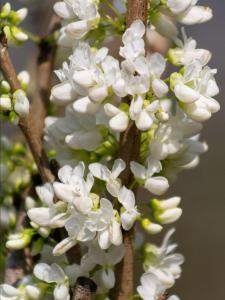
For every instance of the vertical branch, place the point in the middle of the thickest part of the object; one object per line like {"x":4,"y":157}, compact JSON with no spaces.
{"x":129,"y":150}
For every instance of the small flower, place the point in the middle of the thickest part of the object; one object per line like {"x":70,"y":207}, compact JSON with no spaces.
{"x":133,"y":41}
{"x":105,"y":222}
{"x":162,"y":262}
{"x":129,"y":212}
{"x":186,"y":52}
{"x":144,"y":117}
{"x":157,"y":184}
{"x":54,"y":274}
{"x":106,"y":260}
{"x":119,"y":120}
{"x":101,"y":172}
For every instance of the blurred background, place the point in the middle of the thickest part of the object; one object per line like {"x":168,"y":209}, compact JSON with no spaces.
{"x":201,"y":230}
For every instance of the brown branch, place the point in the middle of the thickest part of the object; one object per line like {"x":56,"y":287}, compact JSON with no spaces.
{"x":26,"y":124}
{"x":85,"y":289}
{"x":129,"y":150}
{"x":44,"y":70}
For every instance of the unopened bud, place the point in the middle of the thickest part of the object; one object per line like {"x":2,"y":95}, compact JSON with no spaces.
{"x":18,"y":34}
{"x":21,"y":14}
{"x":170,"y":216}
{"x":33,"y":292}
{"x":19,"y":240}
{"x":21,"y":105}
{"x":150,"y":227}
{"x":44,"y":231}
{"x":5,"y":103}
{"x":24,"y":78}
{"x":6,"y":9}
{"x":4,"y":87}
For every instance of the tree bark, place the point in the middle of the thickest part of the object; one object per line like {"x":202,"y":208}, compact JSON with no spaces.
{"x":129,"y":151}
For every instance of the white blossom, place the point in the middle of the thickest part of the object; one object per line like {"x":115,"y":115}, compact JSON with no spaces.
{"x":197,"y":99}
{"x":186,"y":52}
{"x":133,"y":41}
{"x":163,"y":263}
{"x":119,"y":120}
{"x":77,"y":131}
{"x":101,"y":172}
{"x":80,"y":17}
{"x":129,"y":212}
{"x":105,"y":222}
{"x":154,"y":184}
{"x":54,"y":274}
{"x":105,"y":277}
{"x":144,"y":116}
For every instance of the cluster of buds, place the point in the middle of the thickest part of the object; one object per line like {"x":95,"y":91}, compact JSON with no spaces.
{"x":10,"y":20}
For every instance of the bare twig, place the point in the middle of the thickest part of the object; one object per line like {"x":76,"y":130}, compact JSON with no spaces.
{"x":26,"y":124}
{"x":85,"y":289}
{"x":129,"y":150}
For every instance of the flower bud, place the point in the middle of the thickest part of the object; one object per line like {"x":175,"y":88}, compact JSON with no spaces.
{"x":150,"y":227}
{"x":20,"y":240}
{"x":21,"y":14}
{"x":22,"y":104}
{"x":5,"y":11}
{"x":162,"y":116}
{"x":33,"y":292}
{"x":44,"y":231}
{"x":175,"y":56}
{"x":4,"y":87}
{"x":29,"y":203}
{"x":170,"y":216}
{"x":169,"y":203}
{"x":5,"y":103}
{"x":24,"y":78}
{"x":18,"y":34}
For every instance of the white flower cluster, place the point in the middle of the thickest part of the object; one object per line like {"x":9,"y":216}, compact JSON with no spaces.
{"x":84,"y":215}
{"x":162,"y":268}
{"x":79,"y":17}
{"x":101,"y":97}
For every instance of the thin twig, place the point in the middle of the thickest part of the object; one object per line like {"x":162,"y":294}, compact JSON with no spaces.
{"x":129,"y":150}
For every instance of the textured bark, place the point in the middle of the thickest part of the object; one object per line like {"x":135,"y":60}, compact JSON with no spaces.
{"x":137,"y":9}
{"x":85,"y":289}
{"x":129,"y":151}
{"x":26,"y":124}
